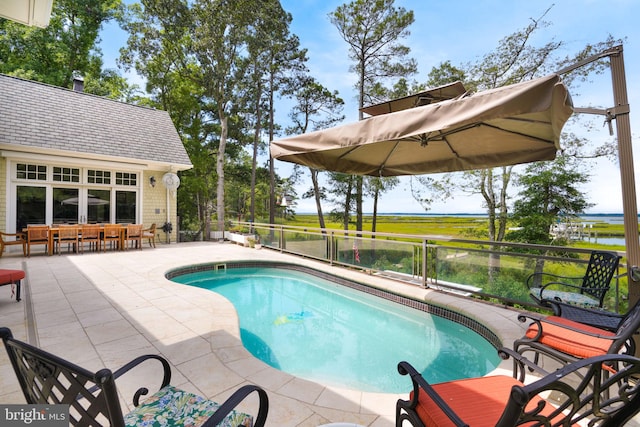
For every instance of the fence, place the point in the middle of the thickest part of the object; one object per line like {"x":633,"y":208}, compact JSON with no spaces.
{"x":490,"y":270}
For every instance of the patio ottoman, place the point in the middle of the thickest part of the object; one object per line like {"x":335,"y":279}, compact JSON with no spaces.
{"x":13,"y":278}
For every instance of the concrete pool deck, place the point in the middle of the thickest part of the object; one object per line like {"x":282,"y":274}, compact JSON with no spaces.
{"x":102,"y":310}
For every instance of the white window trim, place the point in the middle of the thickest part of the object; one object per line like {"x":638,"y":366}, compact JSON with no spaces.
{"x":11,"y":184}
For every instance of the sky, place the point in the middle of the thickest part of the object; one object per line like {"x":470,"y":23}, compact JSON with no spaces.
{"x":462,"y":31}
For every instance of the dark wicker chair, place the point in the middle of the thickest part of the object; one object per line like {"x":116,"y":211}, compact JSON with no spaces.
{"x":588,"y":290}
{"x":593,"y":317}
{"x":567,"y":341}
{"x":501,"y":401}
{"x":93,"y":397}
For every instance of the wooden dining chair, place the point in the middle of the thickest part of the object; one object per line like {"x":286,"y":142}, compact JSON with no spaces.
{"x":90,"y":234}
{"x":37,"y":235}
{"x":68,"y":234}
{"x":111,"y":233}
{"x":133,"y":234}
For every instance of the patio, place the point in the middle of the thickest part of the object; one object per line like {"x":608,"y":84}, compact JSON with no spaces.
{"x":102,"y":310}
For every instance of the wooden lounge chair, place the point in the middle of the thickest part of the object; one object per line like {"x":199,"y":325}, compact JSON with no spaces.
{"x":93,"y":397}
{"x":10,"y":239}
{"x":588,"y":290}
{"x":501,"y":401}
{"x":567,"y":341}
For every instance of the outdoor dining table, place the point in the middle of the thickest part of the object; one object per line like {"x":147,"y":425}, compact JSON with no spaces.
{"x":55,"y":230}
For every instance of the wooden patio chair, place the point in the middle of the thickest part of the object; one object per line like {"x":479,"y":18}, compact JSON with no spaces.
{"x":37,"y":235}
{"x":150,"y":234}
{"x":563,"y":398}
{"x":10,"y":239}
{"x":93,"y":397}
{"x":90,"y":234}
{"x":567,"y":341}
{"x":111,"y":233}
{"x":588,"y":290}
{"x":68,"y":234}
{"x":133,"y":234}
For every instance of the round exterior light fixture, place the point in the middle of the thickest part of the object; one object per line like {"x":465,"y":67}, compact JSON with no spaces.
{"x":171,"y":181}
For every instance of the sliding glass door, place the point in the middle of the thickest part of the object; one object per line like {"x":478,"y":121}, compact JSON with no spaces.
{"x":66,"y":205}
{"x":98,"y":206}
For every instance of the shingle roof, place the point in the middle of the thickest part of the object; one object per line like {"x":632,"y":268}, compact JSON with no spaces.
{"x":38,"y":115}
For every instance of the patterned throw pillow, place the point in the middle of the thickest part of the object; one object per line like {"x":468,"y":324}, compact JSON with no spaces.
{"x":171,"y":406}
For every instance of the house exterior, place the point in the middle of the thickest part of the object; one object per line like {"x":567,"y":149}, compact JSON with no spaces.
{"x":72,"y":157}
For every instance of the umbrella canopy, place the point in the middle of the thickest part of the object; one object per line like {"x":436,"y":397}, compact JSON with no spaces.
{"x":513,"y":124}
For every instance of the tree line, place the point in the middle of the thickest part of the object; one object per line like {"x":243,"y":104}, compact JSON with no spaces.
{"x":221,"y":67}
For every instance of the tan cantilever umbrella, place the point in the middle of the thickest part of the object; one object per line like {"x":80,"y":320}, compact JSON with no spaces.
{"x":513,"y":124}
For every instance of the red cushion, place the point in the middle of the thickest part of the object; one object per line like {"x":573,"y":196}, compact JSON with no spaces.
{"x":572,"y":342}
{"x":10,"y":276}
{"x":477,"y":401}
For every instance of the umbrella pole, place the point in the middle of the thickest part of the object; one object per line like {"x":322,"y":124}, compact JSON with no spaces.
{"x":627,"y":175}
{"x":620,"y":112}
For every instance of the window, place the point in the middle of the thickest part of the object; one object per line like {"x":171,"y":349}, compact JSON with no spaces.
{"x":98,"y":177}
{"x":66,"y":174}
{"x":35,"y":172}
{"x":126,"y":178}
{"x":125,"y":207}
{"x":30,"y":206}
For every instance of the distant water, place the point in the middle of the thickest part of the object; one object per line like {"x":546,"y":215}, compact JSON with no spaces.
{"x":619,"y":241}
{"x":609,"y":218}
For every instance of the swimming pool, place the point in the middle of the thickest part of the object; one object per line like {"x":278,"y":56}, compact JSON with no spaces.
{"x":323,"y":331}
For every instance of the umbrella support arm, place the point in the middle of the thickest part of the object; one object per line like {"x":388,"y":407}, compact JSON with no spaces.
{"x":610,"y":113}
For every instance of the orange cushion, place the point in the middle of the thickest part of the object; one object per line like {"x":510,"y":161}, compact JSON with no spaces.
{"x":477,"y":401}
{"x":572,"y":342}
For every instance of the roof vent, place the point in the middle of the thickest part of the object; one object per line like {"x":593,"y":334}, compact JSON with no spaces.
{"x":78,"y":84}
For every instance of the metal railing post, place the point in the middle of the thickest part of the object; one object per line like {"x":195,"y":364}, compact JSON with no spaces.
{"x":425,"y":273}
{"x":331,"y":247}
{"x":282,"y":239}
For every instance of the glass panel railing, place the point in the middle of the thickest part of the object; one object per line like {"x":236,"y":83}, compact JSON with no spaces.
{"x":496,"y":271}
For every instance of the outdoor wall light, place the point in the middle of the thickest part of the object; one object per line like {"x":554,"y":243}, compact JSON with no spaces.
{"x":152,"y":181}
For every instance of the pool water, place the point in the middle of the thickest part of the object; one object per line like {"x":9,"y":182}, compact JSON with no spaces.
{"x":326,"y":332}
